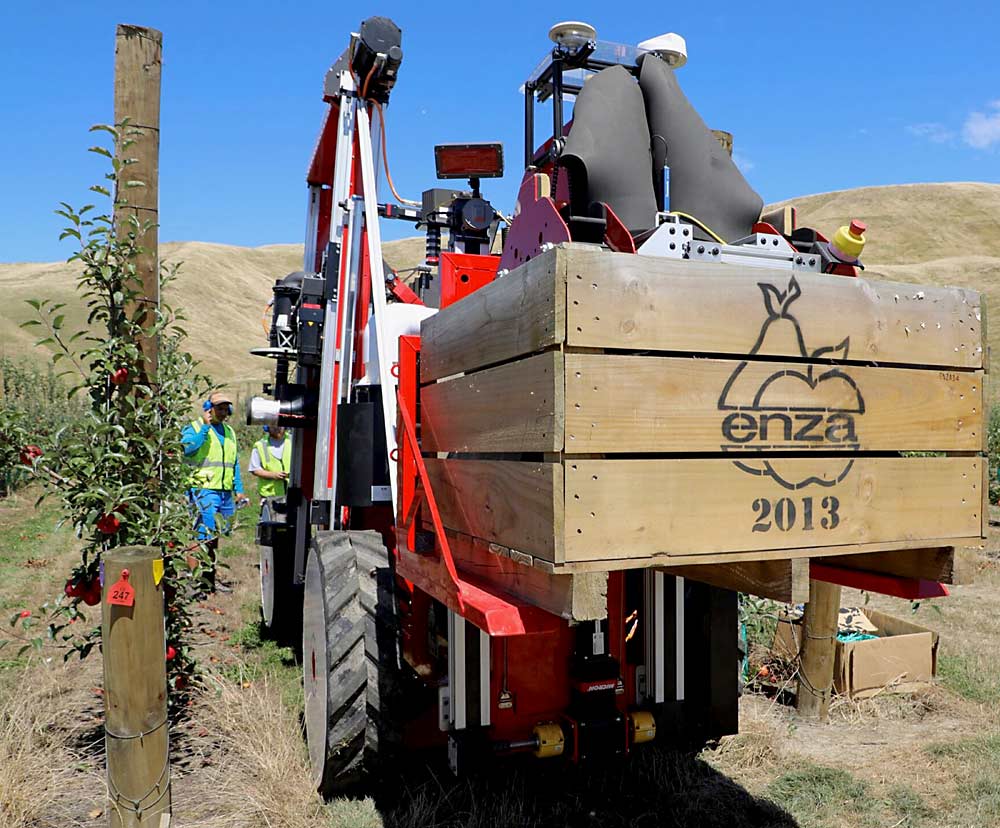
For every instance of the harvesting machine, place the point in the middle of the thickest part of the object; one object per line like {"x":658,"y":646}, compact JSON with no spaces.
{"x":529,"y":479}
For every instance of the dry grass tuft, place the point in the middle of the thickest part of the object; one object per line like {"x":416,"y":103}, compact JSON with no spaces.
{"x":752,"y":749}
{"x":262,"y":776}
{"x":38,"y":766}
{"x":889,"y":706}
{"x":23,"y":763}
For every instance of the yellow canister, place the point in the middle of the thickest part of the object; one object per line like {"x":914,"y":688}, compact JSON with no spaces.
{"x":849,"y":241}
{"x":549,"y":740}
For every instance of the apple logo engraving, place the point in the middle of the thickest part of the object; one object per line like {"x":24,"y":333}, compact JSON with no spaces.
{"x":794,"y":409}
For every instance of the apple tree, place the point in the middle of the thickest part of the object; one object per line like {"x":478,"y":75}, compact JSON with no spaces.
{"x":119,"y":469}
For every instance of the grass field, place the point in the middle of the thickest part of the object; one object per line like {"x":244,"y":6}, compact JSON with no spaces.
{"x":929,"y":759}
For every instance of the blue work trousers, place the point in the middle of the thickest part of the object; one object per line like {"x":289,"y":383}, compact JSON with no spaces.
{"x":215,"y":508}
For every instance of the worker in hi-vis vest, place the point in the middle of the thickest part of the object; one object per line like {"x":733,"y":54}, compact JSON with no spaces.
{"x":271,"y":461}
{"x":216,"y":489}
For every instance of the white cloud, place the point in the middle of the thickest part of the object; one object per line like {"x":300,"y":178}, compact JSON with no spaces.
{"x":743,"y":164}
{"x":934,"y":132}
{"x":982,"y":129}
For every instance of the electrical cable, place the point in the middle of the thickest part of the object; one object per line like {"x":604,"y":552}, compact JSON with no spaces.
{"x":263,"y":319}
{"x":701,"y":224}
{"x":368,"y":77}
{"x":385,"y":160}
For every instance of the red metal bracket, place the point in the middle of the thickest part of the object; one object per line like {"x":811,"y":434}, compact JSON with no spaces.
{"x":538,"y":222}
{"x":911,"y":588}
{"x":462,"y":273}
{"x":403,"y":293}
{"x":616,"y":234}
{"x":435,"y":572}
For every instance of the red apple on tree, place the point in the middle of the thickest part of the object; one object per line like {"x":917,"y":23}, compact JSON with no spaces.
{"x":108,"y":524}
{"x":119,"y":376}
{"x":91,"y":593}
{"x":29,"y":454}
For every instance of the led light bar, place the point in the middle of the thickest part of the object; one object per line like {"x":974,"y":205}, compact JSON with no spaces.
{"x":469,"y":160}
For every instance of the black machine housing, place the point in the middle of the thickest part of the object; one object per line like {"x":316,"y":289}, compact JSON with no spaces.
{"x":630,"y":121}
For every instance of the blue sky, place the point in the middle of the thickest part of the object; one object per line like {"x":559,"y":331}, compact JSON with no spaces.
{"x":892,"y":93}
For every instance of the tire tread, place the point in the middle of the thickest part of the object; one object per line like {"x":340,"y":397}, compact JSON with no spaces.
{"x":361,"y":653}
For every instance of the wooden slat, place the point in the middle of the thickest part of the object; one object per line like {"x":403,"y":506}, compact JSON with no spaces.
{"x":642,"y":508}
{"x":842,"y":550}
{"x":579,"y":597}
{"x":515,"y":407}
{"x":644,"y":303}
{"x":515,"y":504}
{"x":782,"y":580}
{"x":663,"y":404}
{"x":946,"y":565}
{"x":622,"y":301}
{"x":519,"y":314}
{"x":984,"y":330}
{"x":703,"y":511}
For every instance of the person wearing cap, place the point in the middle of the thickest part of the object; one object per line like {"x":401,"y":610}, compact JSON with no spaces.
{"x":271,"y":461}
{"x":216,"y":488}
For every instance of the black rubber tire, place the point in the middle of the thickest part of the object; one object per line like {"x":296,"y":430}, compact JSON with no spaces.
{"x":350,"y":658}
{"x":280,"y":596}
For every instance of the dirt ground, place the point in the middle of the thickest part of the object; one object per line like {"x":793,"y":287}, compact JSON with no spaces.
{"x":238,"y":759}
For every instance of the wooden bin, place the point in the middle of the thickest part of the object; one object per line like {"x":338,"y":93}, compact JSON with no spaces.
{"x":597,"y":410}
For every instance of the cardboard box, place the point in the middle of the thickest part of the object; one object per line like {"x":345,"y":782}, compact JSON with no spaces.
{"x":902,"y":658}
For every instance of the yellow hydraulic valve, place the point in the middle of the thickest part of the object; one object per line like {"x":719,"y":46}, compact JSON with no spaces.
{"x":643,"y":726}
{"x":849,"y":241}
{"x":549,"y":740}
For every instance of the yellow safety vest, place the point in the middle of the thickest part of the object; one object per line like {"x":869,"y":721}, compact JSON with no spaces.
{"x":269,"y":487}
{"x":215,"y":462}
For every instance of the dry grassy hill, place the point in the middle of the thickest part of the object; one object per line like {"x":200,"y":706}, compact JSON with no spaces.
{"x":923,"y":233}
{"x":913,"y":223}
{"x":223,"y":290}
{"x":935,"y":234}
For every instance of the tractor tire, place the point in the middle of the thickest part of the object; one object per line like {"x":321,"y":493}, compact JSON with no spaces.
{"x":350,"y":657}
{"x":280,"y":596}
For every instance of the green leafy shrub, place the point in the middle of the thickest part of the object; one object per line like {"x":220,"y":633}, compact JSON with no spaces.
{"x":993,"y":446}
{"x":118,"y":468}
{"x":34,"y":406}
{"x":13,"y":439}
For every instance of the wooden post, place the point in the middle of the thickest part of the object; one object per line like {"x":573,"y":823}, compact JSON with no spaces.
{"x":819,"y":636}
{"x":138,"y":55}
{"x":135,"y":693}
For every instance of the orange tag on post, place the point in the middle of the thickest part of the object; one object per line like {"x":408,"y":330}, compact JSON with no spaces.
{"x":122,"y":593}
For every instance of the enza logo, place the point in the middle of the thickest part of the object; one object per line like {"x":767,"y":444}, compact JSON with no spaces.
{"x":811,"y":407}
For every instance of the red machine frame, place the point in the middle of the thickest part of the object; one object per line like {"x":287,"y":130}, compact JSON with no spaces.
{"x":434,"y":564}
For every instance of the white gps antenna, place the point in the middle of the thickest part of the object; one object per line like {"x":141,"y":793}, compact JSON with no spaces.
{"x":670,"y":48}
{"x":572,"y":33}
